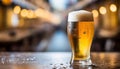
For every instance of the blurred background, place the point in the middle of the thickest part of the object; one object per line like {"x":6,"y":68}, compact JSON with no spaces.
{"x":40,"y":25}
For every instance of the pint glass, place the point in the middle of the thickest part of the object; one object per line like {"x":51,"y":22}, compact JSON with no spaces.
{"x":80,"y":29}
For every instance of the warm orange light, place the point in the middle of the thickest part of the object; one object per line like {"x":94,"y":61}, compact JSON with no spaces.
{"x":31,"y":14}
{"x":39,"y":12}
{"x":46,"y":15}
{"x":24,"y":13}
{"x":95,"y":13}
{"x":17,"y":9}
{"x":113,"y":7}
{"x":102,"y":10}
{"x":102,"y":56}
{"x":7,"y":2}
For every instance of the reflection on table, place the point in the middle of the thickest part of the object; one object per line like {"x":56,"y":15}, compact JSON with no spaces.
{"x":49,"y":60}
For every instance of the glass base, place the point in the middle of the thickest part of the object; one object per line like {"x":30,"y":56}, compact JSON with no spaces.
{"x":82,"y":62}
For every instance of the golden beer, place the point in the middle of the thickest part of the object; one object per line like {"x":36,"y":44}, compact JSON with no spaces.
{"x":81,"y":35}
{"x":80,"y":32}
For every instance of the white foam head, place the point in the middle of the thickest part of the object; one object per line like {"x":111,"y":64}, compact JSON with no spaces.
{"x":81,"y":15}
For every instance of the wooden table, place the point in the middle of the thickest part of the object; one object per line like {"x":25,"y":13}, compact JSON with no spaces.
{"x":56,"y":60}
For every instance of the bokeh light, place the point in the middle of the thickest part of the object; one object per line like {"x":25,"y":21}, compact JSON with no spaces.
{"x":113,"y":7}
{"x":103,"y":10}
{"x":95,"y":13}
{"x":39,"y":12}
{"x":31,"y":14}
{"x":24,"y":13}
{"x":6,"y":2}
{"x":17,"y":9}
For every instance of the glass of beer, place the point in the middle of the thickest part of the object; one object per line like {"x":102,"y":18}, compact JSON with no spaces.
{"x":80,"y":29}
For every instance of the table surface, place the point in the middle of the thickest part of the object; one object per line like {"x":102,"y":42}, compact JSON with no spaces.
{"x":55,"y":60}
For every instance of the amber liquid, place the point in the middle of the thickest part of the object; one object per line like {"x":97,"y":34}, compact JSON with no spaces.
{"x":80,"y":35}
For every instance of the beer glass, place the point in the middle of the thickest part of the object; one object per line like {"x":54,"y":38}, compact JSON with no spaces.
{"x":80,"y":29}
